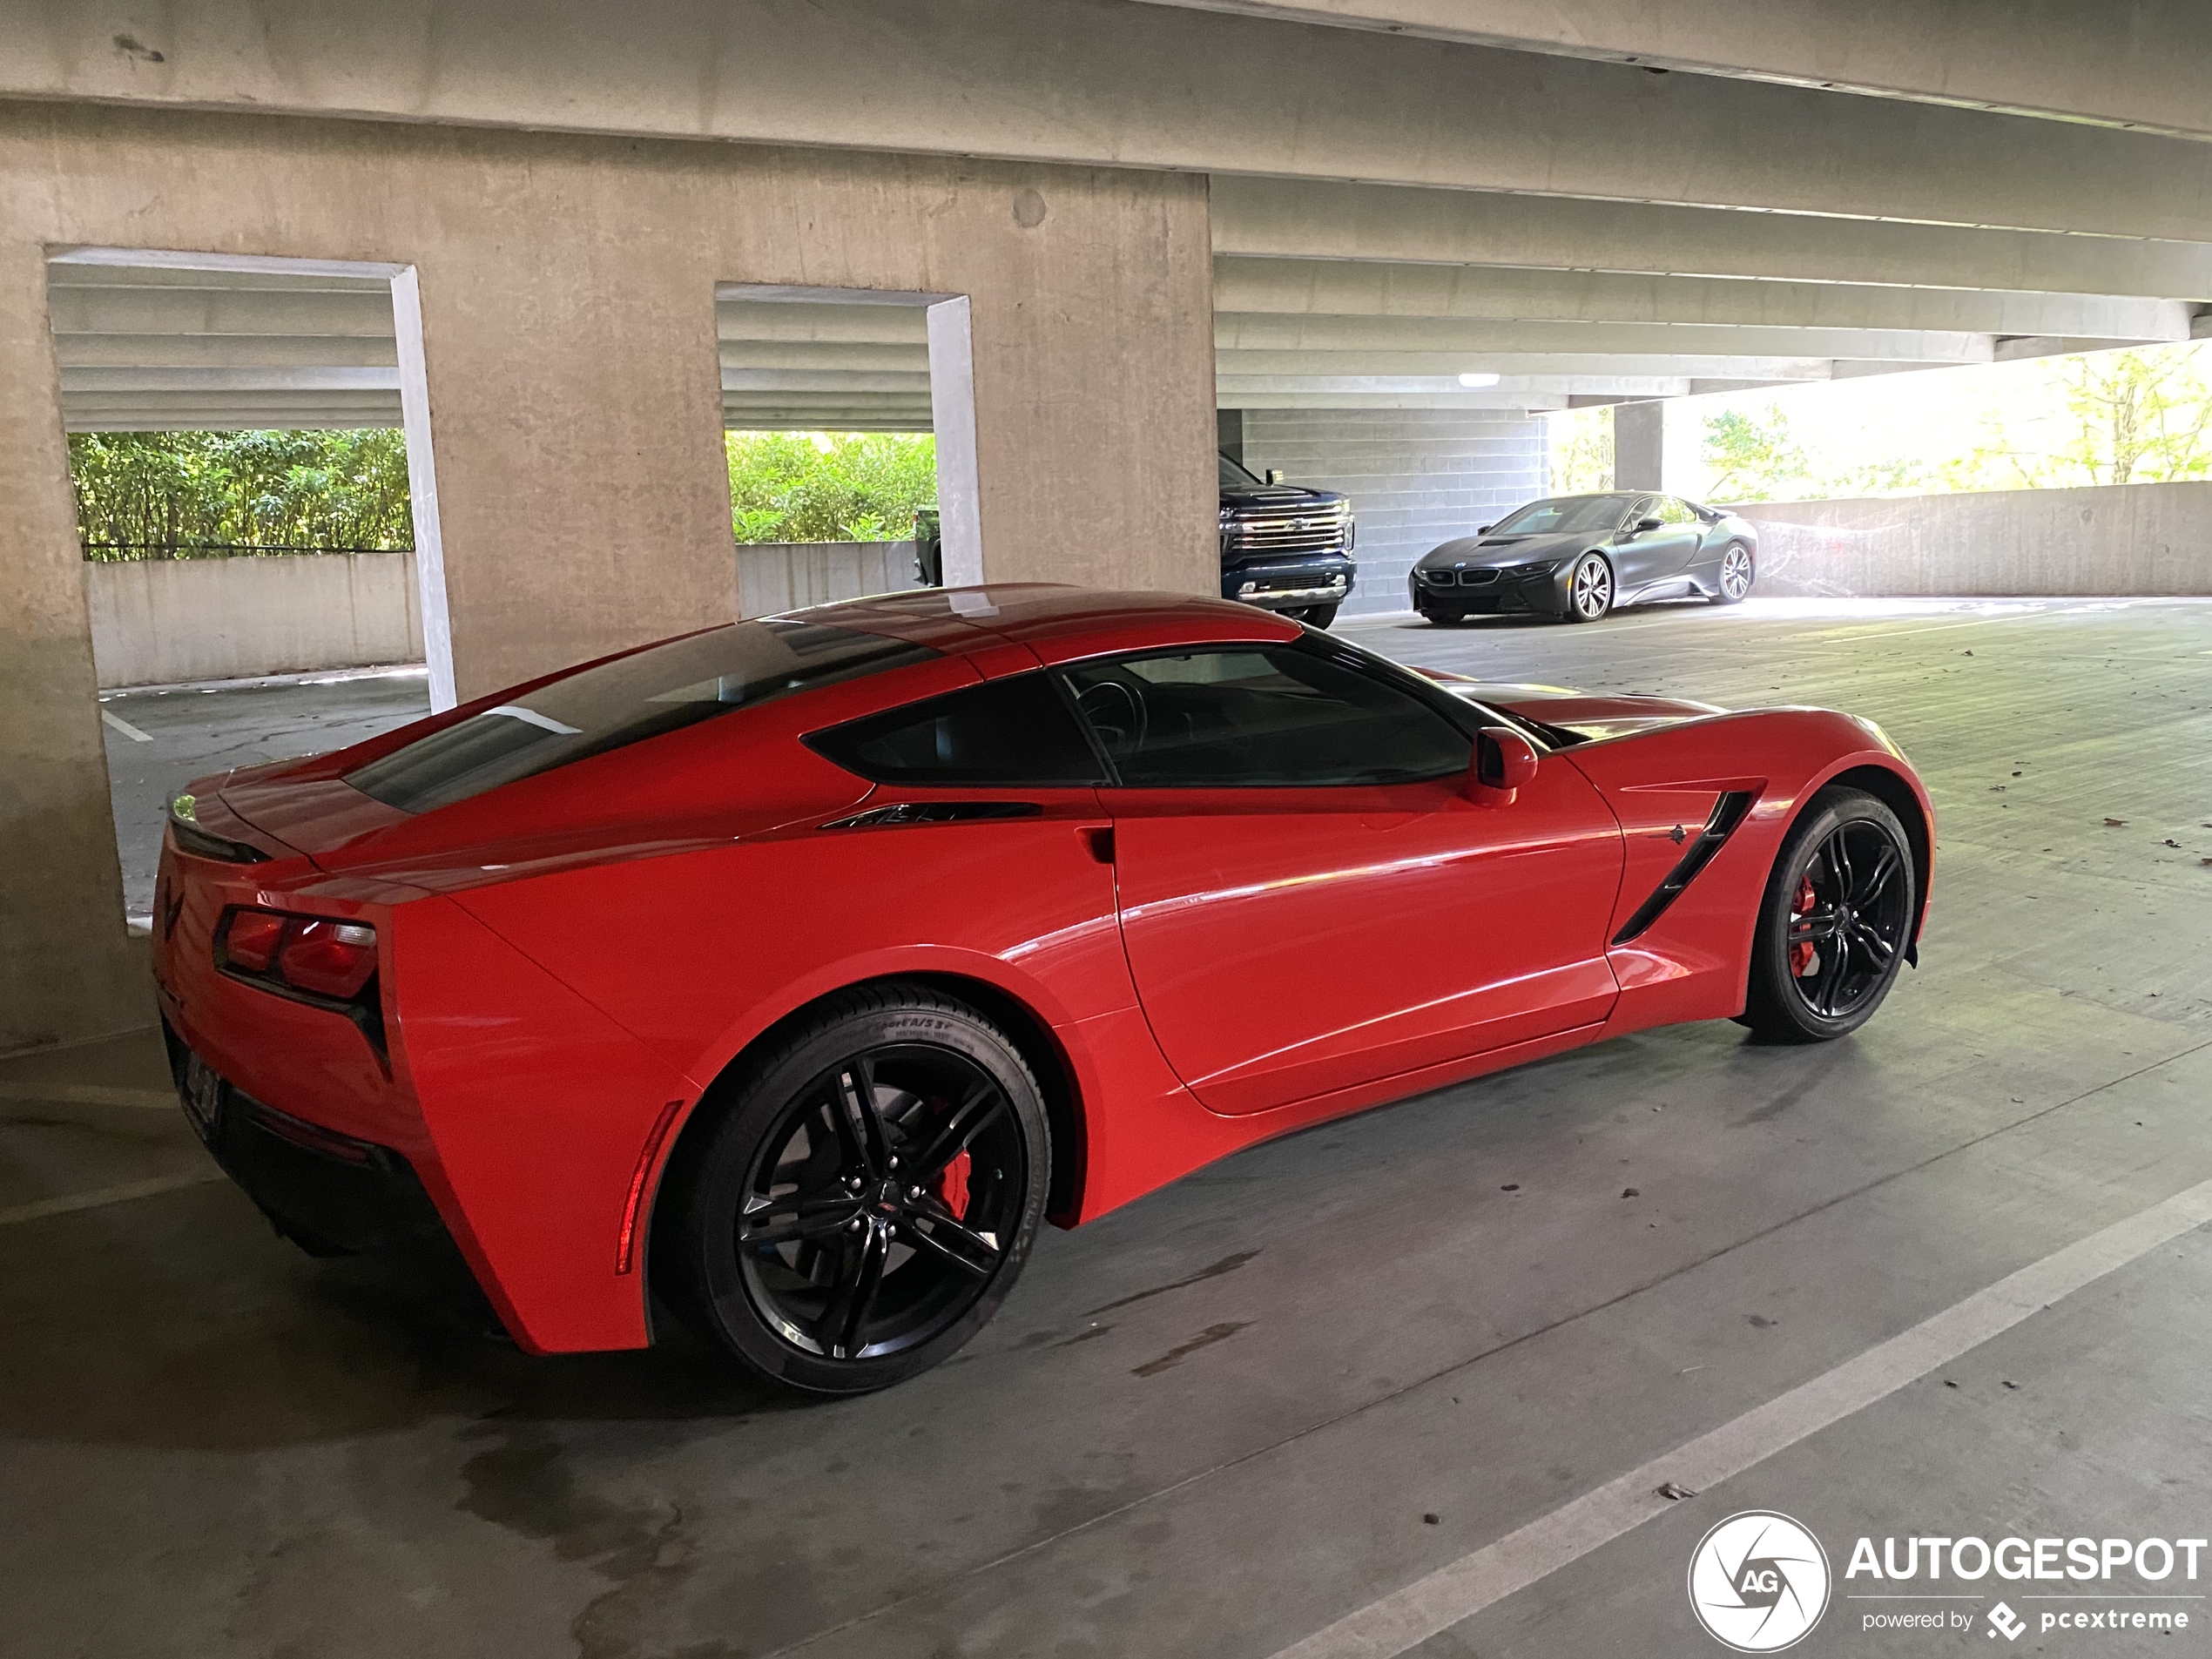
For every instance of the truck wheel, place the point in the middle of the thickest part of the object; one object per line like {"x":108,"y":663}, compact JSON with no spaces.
{"x":1318,"y":616}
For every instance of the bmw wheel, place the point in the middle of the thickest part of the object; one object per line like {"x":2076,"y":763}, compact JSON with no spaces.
{"x":1737,"y":573}
{"x":1835,"y":923}
{"x":1590,"y":593}
{"x":867,"y":1195}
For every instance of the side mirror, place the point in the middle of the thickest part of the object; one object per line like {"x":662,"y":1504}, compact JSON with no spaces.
{"x":1503,"y":761}
{"x":1274,"y":475}
{"x":1643,"y":524}
{"x":1484,"y":530}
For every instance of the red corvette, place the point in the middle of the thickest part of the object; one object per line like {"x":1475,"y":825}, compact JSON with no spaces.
{"x":800,"y":968}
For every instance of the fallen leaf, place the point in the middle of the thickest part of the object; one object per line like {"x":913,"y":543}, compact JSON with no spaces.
{"x":1637,"y":1192}
{"x":2115,"y":823}
{"x":1429,"y":1520}
{"x":1673,"y":1490}
{"x":1510,"y":1186}
{"x":2172,"y":843}
{"x":1965,"y":653}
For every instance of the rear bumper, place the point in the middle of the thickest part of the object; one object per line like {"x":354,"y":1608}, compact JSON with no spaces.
{"x":326,"y":1191}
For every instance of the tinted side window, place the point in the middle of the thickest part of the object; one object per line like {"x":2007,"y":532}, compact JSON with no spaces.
{"x":1260,"y":716}
{"x":1015,"y":731}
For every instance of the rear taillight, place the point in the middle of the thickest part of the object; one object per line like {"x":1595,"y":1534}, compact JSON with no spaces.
{"x":311,"y":959}
{"x":329,"y":958}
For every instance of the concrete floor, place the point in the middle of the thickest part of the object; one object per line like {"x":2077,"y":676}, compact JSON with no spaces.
{"x":1401,"y":1337}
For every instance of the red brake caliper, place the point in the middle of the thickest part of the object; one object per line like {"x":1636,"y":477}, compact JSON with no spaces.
{"x":951,"y":1187}
{"x":1801,"y":952}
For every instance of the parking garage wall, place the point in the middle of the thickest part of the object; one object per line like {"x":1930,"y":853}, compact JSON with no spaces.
{"x":2119,"y":539}
{"x":1415,"y":477}
{"x":157,"y":622}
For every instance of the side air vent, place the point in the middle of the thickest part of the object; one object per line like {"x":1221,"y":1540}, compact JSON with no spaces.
{"x":936,"y":812}
{"x":1727,"y":812}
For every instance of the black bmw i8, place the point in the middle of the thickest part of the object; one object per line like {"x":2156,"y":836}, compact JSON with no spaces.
{"x":1578,"y":556}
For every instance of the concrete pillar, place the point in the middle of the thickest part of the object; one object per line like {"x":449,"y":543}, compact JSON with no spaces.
{"x":1639,"y":446}
{"x":67,"y":968}
{"x":570,"y":382}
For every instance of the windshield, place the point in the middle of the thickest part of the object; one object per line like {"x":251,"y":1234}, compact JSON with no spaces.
{"x":1565,"y":515}
{"x":1235,"y":477}
{"x":660,"y":688}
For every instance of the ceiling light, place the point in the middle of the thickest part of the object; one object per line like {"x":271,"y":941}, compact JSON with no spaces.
{"x":1478,"y":380}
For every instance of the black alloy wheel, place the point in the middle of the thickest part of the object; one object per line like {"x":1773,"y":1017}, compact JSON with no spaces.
{"x":1836,"y":921}
{"x":869,"y":1194}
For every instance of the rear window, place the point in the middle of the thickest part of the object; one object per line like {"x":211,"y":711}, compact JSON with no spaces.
{"x":659,"y":690}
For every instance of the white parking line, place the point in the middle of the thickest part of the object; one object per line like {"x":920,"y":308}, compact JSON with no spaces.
{"x":105,"y":1195}
{"x":1409,"y":1617}
{"x":124,"y":727}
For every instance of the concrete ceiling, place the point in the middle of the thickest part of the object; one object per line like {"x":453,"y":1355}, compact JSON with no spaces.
{"x":1399,"y":196}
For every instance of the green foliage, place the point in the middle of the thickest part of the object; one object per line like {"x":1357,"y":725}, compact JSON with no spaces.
{"x":828,"y":487}
{"x":1581,"y":451}
{"x":2140,"y":418}
{"x":1756,"y":459}
{"x":188,"y":494}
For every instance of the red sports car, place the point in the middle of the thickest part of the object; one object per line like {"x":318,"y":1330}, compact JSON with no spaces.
{"x":796,"y":968}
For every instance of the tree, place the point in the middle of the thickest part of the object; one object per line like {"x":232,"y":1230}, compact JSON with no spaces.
{"x":185,"y":495}
{"x":2137,"y":414}
{"x":1754,"y":460}
{"x":1581,"y":451}
{"x":828,"y":487}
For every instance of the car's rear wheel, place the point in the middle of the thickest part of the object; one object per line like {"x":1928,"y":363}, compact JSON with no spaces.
{"x":868,"y":1193}
{"x":1318,"y":616}
{"x":1835,"y":922}
{"x":1590,"y":594}
{"x":1737,"y":573}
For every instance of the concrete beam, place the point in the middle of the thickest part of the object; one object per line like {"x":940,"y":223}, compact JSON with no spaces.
{"x":1327,"y":219}
{"x":1667,"y":365}
{"x":2141,"y":63}
{"x":1494,"y":293}
{"x":1122,"y":85}
{"x":1276,"y":332}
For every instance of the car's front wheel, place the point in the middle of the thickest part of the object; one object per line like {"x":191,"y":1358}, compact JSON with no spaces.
{"x":867,"y":1194}
{"x":1835,"y":922}
{"x":1318,"y":616}
{"x":1589,"y":592}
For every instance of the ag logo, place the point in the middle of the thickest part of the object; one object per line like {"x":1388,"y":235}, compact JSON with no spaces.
{"x":1758,"y":1583}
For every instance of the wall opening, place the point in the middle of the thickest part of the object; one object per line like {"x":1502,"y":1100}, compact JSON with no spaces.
{"x":838,"y":365}
{"x":258,"y":502}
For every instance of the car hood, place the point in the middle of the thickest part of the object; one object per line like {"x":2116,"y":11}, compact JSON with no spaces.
{"x":1493,"y":552}
{"x":1243,"y":498}
{"x":1590,"y":716}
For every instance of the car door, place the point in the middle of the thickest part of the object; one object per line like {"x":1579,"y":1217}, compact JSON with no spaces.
{"x":1655,"y":556}
{"x":1309,"y":899}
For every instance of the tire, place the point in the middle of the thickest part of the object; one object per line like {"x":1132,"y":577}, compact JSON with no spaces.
{"x":1799,"y":991}
{"x":800,"y":1244}
{"x":1318,"y":616}
{"x":1442,"y":618}
{"x":1737,"y":573}
{"x":1589,"y":591}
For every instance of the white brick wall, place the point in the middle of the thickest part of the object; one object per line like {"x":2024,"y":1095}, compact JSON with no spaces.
{"x":1415,"y":476}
